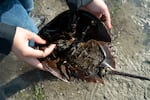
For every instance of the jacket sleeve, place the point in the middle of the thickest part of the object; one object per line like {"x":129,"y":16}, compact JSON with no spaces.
{"x":7,"y":33}
{"x":75,"y":4}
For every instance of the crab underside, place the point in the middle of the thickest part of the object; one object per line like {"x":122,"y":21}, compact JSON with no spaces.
{"x":82,"y":50}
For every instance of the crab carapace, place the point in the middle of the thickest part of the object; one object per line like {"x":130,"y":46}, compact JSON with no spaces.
{"x":82,"y":50}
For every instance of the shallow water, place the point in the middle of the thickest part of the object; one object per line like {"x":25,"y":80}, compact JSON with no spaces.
{"x":131,"y":48}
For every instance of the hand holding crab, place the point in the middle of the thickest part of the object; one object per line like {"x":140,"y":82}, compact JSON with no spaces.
{"x":99,"y":9}
{"x":25,"y":52}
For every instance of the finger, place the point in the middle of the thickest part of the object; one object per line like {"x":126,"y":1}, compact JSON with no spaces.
{"x":36,"y":38}
{"x":100,"y":16}
{"x":108,"y":19}
{"x":48,"y":50}
{"x":31,"y":52}
{"x":34,"y":62}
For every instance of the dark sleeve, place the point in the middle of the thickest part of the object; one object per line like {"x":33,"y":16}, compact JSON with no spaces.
{"x":75,"y":4}
{"x":6,"y":38}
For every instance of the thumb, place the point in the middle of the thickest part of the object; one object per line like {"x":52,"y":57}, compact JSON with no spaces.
{"x":106,"y":14}
{"x":108,"y":23}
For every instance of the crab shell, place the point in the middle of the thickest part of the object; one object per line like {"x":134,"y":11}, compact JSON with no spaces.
{"x":82,"y":51}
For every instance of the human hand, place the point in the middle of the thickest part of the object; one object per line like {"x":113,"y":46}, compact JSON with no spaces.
{"x":25,"y":52}
{"x":99,"y":9}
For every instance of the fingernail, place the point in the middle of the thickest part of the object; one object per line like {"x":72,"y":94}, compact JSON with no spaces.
{"x":54,"y":45}
{"x":44,"y":41}
{"x":109,"y":26}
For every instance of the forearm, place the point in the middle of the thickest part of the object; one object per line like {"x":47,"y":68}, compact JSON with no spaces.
{"x":7,"y":33}
{"x":75,"y":4}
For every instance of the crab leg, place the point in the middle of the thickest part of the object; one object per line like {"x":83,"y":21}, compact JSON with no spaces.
{"x":53,"y":72}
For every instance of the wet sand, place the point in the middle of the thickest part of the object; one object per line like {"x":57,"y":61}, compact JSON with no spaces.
{"x":130,"y":46}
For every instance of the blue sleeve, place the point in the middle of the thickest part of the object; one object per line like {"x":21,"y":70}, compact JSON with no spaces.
{"x":75,"y":4}
{"x":7,"y":33}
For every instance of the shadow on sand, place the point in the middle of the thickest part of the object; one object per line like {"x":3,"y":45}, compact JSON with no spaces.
{"x":22,"y":82}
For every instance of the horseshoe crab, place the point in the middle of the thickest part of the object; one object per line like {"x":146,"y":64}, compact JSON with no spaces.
{"x":82,"y":47}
